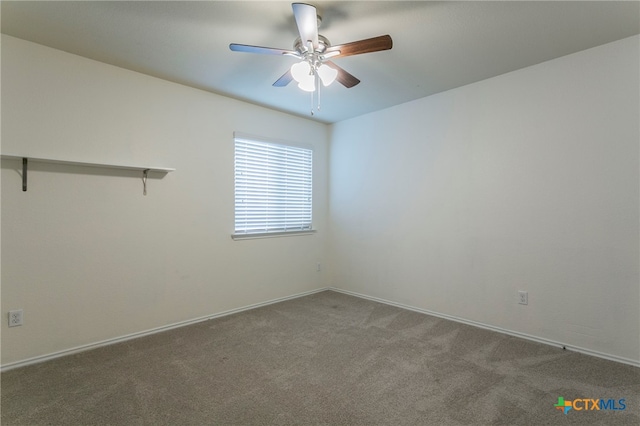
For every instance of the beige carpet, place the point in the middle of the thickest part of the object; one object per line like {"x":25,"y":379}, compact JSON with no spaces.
{"x":324,"y":359}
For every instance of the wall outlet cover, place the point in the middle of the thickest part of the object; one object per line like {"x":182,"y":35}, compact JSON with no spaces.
{"x":15,"y":318}
{"x":523,"y":298}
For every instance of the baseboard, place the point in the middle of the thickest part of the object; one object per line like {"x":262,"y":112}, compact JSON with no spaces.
{"x":635,"y":363}
{"x":43,"y":358}
{"x":82,"y":348}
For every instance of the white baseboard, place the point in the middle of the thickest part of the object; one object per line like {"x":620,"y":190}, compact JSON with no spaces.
{"x":635,"y":363}
{"x":43,"y":358}
{"x":82,"y":348}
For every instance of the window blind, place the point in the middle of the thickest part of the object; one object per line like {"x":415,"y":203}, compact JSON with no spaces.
{"x":273,"y":187}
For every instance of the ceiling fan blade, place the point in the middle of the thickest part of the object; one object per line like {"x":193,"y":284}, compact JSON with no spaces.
{"x":284,"y":80}
{"x":259,"y":49}
{"x":369,"y":45}
{"x":307,"y":21}
{"x":344,"y":78}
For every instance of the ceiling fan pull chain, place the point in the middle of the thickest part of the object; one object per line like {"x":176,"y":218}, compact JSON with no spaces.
{"x":318,"y":86}
{"x":311,"y":103}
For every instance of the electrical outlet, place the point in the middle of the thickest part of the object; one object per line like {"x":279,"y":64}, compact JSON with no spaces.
{"x":15,"y":318}
{"x":318,"y":267}
{"x":523,"y":298}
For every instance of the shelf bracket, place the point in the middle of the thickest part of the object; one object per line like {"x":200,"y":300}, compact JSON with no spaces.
{"x":145,"y":173}
{"x":24,"y":174}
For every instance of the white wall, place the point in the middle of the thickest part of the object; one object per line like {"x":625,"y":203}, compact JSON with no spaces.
{"x":526,"y":181}
{"x":84,"y":253}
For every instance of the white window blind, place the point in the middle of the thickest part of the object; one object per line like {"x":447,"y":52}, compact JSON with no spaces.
{"x":273,"y":187}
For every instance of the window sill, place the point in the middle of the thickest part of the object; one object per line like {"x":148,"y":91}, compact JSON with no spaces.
{"x":271,"y":234}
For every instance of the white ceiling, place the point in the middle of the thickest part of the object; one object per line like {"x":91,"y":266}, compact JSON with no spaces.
{"x":437,"y":45}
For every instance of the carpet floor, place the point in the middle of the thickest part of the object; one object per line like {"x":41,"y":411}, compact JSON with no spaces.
{"x":323,"y":359}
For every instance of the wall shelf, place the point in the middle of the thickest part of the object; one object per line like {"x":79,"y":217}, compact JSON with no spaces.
{"x":85,"y":164}
{"x":25,"y":160}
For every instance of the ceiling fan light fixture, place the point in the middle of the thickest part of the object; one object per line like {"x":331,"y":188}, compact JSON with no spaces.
{"x":327,"y":74}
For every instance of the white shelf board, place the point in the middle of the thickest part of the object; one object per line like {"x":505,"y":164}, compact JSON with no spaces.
{"x":86,"y":164}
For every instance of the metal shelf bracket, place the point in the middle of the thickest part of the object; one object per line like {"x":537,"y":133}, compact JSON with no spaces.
{"x":24,"y":173}
{"x":144,"y":181}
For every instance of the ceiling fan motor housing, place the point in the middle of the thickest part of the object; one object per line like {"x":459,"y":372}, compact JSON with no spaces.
{"x":323,"y":43}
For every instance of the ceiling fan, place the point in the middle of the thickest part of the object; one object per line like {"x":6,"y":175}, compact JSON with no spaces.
{"x":315,"y":53}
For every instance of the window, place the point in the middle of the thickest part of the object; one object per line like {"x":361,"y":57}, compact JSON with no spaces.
{"x":273,"y":188}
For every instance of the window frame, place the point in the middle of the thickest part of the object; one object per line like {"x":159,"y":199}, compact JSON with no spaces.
{"x":277,"y":232}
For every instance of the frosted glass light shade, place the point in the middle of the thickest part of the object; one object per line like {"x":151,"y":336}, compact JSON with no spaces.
{"x":327,"y":74}
{"x":308,"y":84}
{"x":300,"y":71}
